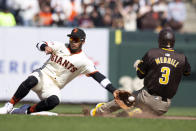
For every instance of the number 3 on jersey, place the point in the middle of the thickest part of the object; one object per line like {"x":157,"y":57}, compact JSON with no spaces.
{"x":164,"y":79}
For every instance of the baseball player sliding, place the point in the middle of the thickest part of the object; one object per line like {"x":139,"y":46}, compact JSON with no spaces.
{"x":67,"y":61}
{"x":162,"y":69}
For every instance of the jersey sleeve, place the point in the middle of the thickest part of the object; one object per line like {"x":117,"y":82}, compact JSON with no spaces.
{"x":187,"y":68}
{"x":54,"y":45}
{"x":143,"y":66}
{"x":89,"y":68}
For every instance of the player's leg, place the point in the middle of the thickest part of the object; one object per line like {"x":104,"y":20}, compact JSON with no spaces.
{"x":151,"y":104}
{"x":105,"y":108}
{"x":48,"y":92}
{"x":44,"y":105}
{"x":157,"y":105}
{"x":20,"y":93}
{"x":50,"y":98}
{"x":24,"y":89}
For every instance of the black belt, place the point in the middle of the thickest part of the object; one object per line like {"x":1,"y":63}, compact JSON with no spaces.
{"x":154,"y":94}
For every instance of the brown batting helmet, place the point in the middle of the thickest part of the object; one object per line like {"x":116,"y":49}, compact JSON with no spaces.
{"x":166,"y":38}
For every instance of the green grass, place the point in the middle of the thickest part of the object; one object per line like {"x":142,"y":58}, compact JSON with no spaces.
{"x":173,"y":111}
{"x":181,"y":111}
{"x":69,"y":109}
{"x":52,"y":123}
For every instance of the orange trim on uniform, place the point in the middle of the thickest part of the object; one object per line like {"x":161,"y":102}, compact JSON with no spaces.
{"x":167,"y":49}
{"x":32,"y":108}
{"x":14,"y":100}
{"x":88,"y":75}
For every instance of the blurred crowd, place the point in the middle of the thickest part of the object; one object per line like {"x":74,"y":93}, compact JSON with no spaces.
{"x":130,"y":15}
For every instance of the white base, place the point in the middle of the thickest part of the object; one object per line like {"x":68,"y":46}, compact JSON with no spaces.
{"x":44,"y":113}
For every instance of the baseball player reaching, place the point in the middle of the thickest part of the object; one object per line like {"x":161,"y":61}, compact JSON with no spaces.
{"x":162,"y":69}
{"x":66,"y":62}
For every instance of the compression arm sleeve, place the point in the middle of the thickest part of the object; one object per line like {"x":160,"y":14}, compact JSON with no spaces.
{"x":103,"y":81}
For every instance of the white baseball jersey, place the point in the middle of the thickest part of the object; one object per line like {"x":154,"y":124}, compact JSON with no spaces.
{"x":63,"y":66}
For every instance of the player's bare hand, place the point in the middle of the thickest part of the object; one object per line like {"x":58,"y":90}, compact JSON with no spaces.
{"x":48,"y":50}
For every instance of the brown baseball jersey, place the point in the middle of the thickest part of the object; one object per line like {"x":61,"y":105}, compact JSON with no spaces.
{"x":162,"y":70}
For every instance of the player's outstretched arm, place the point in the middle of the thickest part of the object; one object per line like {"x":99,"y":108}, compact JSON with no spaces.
{"x":103,"y":81}
{"x":48,"y":50}
{"x":120,"y":96}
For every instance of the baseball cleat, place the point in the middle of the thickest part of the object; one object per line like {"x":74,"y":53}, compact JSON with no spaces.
{"x":21,"y":110}
{"x":93,"y":111}
{"x":135,"y":111}
{"x":129,"y":113}
{"x":7,"y":108}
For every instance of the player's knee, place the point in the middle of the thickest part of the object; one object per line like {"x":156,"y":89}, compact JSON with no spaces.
{"x":30,"y":82}
{"x":52,"y":101}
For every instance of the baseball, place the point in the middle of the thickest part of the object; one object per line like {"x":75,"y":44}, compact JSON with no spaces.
{"x":131,"y":98}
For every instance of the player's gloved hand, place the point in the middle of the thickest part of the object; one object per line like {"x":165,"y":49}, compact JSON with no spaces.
{"x":135,"y":65}
{"x":48,"y":50}
{"x":121,"y":98}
